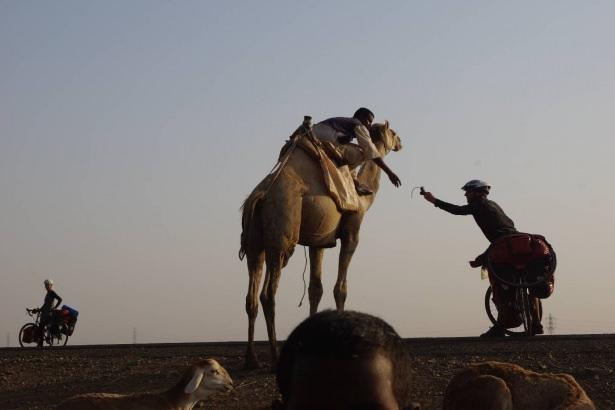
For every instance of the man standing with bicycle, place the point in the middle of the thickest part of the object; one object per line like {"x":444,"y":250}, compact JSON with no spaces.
{"x":495,"y":224}
{"x":47,"y":309}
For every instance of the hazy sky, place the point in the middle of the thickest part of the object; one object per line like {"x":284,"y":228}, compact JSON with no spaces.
{"x":130,"y":133}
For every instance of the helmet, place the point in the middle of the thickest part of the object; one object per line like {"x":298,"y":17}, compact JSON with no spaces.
{"x":476,"y":185}
{"x":48,"y":282}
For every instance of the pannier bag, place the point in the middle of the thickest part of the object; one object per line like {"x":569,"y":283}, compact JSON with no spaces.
{"x":70,"y":319}
{"x":528,"y":254}
{"x":31,"y":334}
{"x":27,"y":335}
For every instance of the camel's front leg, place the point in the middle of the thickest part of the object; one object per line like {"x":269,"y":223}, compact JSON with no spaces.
{"x":267,"y":297}
{"x":315,"y":289}
{"x":255,"y":270}
{"x":349,"y":245}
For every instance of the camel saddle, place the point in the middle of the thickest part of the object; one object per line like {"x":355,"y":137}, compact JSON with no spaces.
{"x":335,"y":171}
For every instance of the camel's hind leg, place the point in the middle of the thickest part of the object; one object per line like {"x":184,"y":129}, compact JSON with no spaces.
{"x":255,"y":270}
{"x":349,"y":239}
{"x":274,"y":261}
{"x":315,"y":289}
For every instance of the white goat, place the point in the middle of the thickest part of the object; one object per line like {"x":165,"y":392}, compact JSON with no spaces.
{"x":199,"y":381}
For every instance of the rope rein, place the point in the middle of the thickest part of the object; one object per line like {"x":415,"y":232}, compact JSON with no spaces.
{"x":304,"y":269}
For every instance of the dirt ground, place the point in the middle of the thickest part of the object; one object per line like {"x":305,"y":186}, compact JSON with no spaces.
{"x":41,"y":378}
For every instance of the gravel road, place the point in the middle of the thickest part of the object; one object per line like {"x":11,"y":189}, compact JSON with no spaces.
{"x":41,"y":378}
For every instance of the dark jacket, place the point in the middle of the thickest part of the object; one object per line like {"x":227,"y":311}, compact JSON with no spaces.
{"x":488,"y":215}
{"x":344,"y":126}
{"x":49,"y":298}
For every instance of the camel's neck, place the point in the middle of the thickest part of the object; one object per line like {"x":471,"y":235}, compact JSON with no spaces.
{"x":369,"y":175}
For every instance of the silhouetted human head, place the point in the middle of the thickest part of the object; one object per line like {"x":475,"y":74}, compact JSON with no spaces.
{"x":365,"y":116}
{"x":48,"y":284}
{"x":475,"y":190}
{"x":344,"y":360}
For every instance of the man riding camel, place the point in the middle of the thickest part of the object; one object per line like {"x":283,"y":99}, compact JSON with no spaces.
{"x":342,"y":130}
{"x":495,"y":224}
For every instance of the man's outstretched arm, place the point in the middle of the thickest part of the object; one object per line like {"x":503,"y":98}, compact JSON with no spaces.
{"x":371,"y":152}
{"x":445,"y":206}
{"x":392,"y":176}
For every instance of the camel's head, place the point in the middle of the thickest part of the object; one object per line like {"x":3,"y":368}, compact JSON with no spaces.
{"x":386,"y":137}
{"x":206,"y":377}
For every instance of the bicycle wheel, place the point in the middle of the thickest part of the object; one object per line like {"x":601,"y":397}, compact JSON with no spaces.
{"x":490,"y":306}
{"x":492,"y":311}
{"x":31,"y":328}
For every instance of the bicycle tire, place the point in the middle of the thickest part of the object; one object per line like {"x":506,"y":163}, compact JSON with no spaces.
{"x":488,"y":305}
{"x":493,"y":317}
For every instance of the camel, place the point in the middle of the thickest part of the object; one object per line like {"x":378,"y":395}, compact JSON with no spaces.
{"x":507,"y":386}
{"x":295,"y":208}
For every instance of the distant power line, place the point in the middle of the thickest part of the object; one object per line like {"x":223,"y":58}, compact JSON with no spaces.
{"x":551,"y":324}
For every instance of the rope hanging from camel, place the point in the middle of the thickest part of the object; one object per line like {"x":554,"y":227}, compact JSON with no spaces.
{"x":304,"y":284}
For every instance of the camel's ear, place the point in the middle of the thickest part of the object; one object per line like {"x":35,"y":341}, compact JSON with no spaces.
{"x":194,"y":383}
{"x":386,"y":125}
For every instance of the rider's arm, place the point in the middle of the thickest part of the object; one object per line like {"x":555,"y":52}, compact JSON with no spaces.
{"x":445,"y":206}
{"x":453,"y":209}
{"x":392,"y":176}
{"x":365,"y":142}
{"x":371,"y":152}
{"x":58,"y":298}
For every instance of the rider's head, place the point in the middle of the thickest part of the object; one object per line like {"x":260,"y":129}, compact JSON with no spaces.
{"x":329,"y":354}
{"x":476,"y":189}
{"x":48,"y":283}
{"x":365,"y":116}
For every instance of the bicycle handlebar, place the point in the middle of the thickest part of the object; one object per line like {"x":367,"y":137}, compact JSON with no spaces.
{"x":32,"y":312}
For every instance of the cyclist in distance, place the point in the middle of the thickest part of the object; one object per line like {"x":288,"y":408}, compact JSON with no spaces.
{"x":494,"y":223}
{"x":47,"y":308}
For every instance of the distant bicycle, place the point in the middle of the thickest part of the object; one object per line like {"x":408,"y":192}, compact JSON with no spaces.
{"x":55,"y":333}
{"x":526,"y":276}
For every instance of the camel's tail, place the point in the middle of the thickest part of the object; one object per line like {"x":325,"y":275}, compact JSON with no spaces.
{"x":248,"y":208}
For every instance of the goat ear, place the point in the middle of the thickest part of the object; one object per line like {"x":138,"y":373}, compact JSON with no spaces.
{"x":386,"y":125}
{"x":194,"y":383}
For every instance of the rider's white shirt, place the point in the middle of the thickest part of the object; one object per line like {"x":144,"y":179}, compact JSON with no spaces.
{"x":326,"y":132}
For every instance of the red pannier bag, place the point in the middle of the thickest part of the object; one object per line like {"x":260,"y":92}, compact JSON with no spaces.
{"x":528,"y":253}
{"x":28,"y":334}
